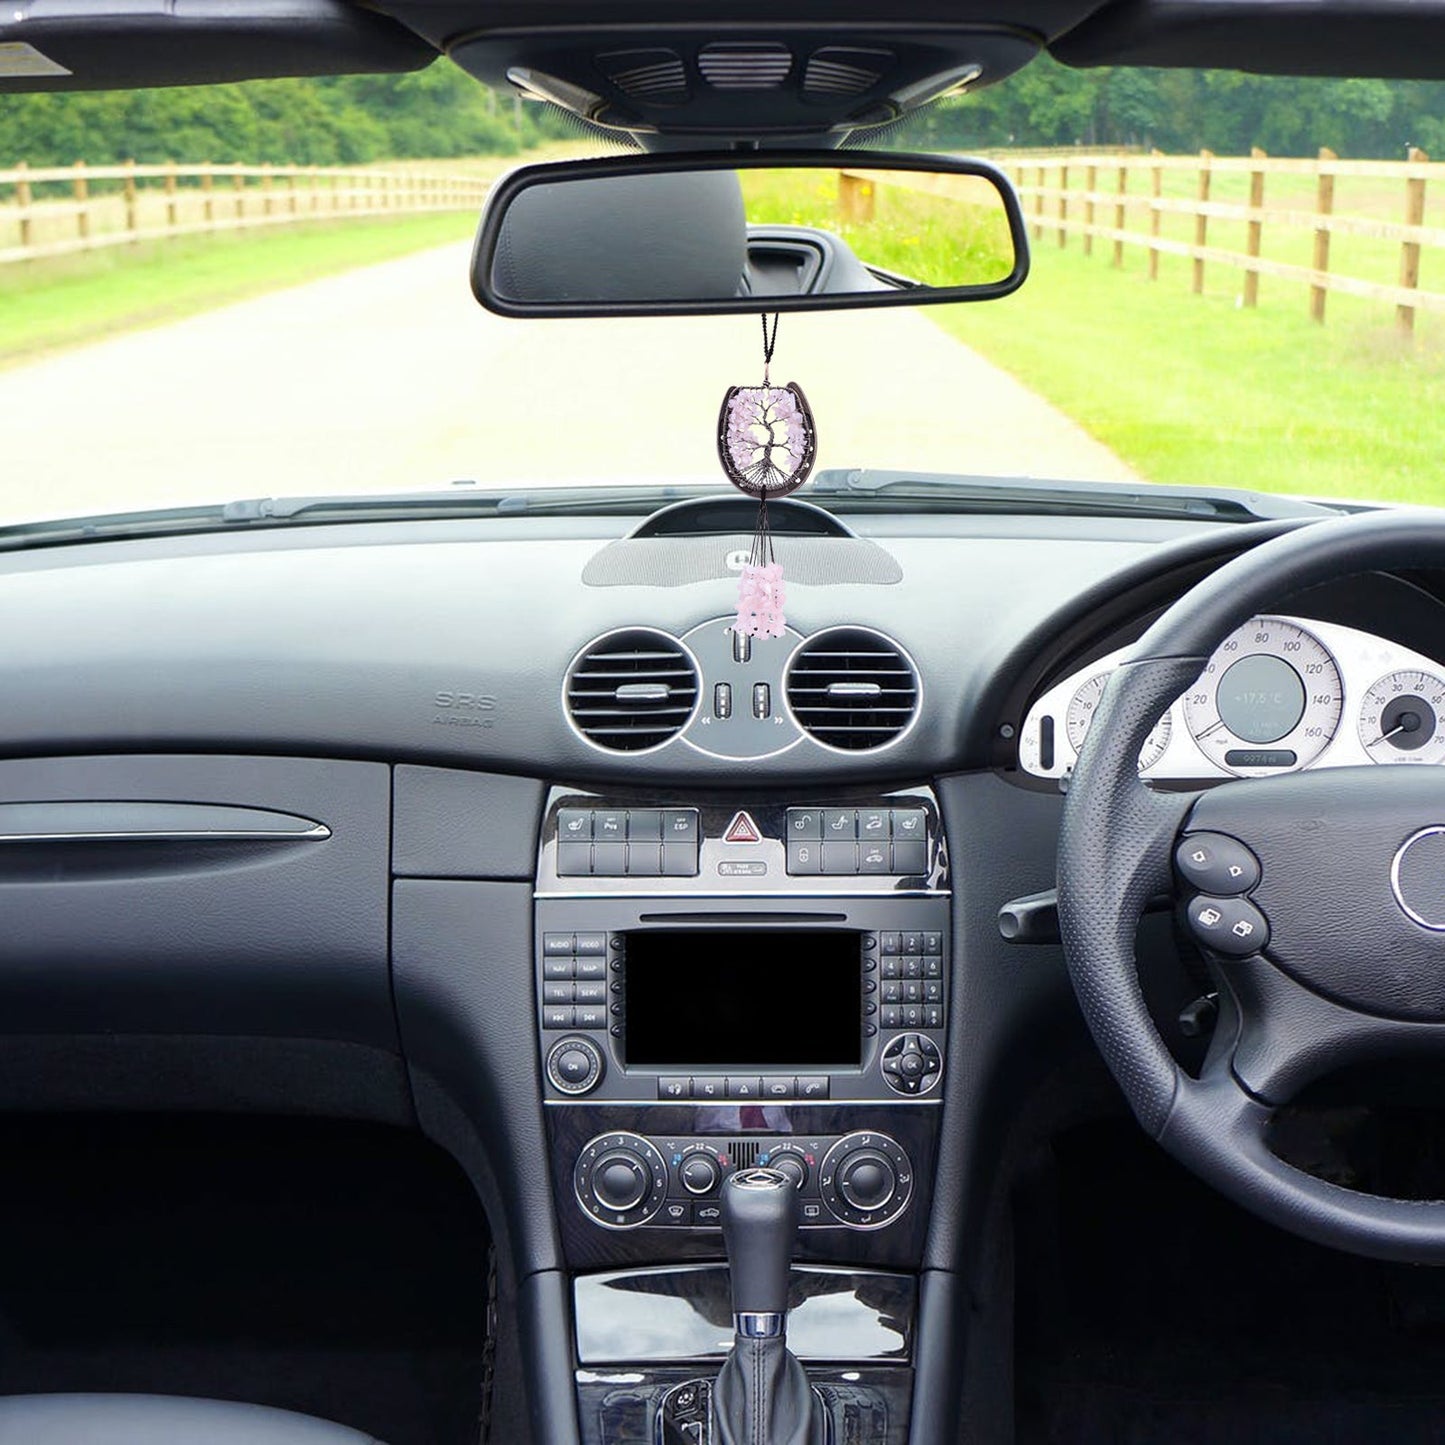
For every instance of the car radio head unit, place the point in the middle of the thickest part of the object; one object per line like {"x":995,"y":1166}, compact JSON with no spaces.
{"x":742,"y":998}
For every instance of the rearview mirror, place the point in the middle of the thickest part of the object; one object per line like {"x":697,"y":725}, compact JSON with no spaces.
{"x":697,"y":235}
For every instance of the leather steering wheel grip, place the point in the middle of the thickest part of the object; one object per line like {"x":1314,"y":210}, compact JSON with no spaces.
{"x":1115,"y":853}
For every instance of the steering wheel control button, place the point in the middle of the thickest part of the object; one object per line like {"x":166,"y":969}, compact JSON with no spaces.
{"x":620,"y":1180}
{"x":1231,"y":926}
{"x":575,"y":1066}
{"x":866,"y":1180}
{"x":1216,"y":863}
{"x":1417,"y":877}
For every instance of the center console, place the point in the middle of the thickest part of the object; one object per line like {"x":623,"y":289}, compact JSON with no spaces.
{"x":723,"y":985}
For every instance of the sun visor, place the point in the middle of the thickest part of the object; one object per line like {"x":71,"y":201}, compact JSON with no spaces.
{"x":1391,"y":39}
{"x":131,"y":44}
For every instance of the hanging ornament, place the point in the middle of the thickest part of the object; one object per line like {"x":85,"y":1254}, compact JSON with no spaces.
{"x":766,"y":443}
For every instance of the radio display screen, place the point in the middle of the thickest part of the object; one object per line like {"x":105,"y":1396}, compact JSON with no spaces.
{"x":746,"y":998}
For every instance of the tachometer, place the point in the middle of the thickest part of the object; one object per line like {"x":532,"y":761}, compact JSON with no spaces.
{"x":1269,"y":699}
{"x":1402,"y":719}
{"x":1080,"y":714}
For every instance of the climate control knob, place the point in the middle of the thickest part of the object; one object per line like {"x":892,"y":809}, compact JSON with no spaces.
{"x":866,"y":1180}
{"x":620,"y":1180}
{"x":791,"y":1165}
{"x":699,"y":1173}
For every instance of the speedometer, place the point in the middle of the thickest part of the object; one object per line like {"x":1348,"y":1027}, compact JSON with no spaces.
{"x":1081,"y":713}
{"x":1269,"y":700}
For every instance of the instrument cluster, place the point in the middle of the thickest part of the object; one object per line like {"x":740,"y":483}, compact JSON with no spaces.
{"x":1278,"y":695}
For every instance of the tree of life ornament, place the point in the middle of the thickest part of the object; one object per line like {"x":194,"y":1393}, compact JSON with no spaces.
{"x":766,"y":442}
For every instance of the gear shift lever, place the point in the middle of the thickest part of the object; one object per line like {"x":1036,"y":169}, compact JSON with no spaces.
{"x":762,"y":1396}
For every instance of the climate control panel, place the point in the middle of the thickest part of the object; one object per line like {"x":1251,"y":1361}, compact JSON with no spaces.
{"x":622,"y":1180}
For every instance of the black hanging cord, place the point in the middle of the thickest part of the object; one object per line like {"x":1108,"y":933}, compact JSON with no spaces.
{"x":763,"y":539}
{"x":769,"y":342}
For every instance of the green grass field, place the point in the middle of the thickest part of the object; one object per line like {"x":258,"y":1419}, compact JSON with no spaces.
{"x":46,"y":305}
{"x":1197,"y":391}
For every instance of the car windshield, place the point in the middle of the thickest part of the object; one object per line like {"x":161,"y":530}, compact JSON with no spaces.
{"x":261,"y":290}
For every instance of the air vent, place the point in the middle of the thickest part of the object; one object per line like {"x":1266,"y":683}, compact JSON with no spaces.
{"x":745,"y":65}
{"x":633,"y":690}
{"x":844,"y":70}
{"x":652,"y":75}
{"x":852,"y":689}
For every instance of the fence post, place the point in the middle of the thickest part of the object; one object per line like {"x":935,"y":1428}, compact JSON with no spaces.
{"x":22,"y":198}
{"x":266,"y":199}
{"x":855,"y":199}
{"x":1063,"y":205}
{"x":82,"y":202}
{"x":130,"y":196}
{"x":1324,"y":206}
{"x":1156,"y":190}
{"x":1038,"y":203}
{"x":1201,"y":220}
{"x":238,"y":185}
{"x":208,"y":195}
{"x":1120,"y":214}
{"x":1091,"y":181}
{"x":1254,"y":233}
{"x":1410,"y":250}
{"x":171,"y":212}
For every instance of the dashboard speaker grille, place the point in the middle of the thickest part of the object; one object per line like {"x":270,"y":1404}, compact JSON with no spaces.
{"x":631,"y":690}
{"x":852,"y":689}
{"x":653,"y":75}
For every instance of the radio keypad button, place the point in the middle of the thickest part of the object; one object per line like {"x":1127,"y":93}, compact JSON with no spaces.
{"x":591,"y":945}
{"x":893,"y":967}
{"x":892,"y":1015}
{"x":590,"y":1016}
{"x":912,"y":990}
{"x":674,"y":1088}
{"x":933,"y":943}
{"x":932,"y":990}
{"x":557,"y":1016}
{"x":709,"y":1088}
{"x":912,"y":1015}
{"x":892,"y":943}
{"x":933,"y":966}
{"x":933,"y":1016}
{"x":892,"y":990}
{"x":745,"y":1088}
{"x":913,"y":966}
{"x":594,"y":991}
{"x":557,"y":992}
{"x":590,"y":968}
{"x":556,"y":945}
{"x":912,"y":943}
{"x":778,"y":1087}
{"x":812,"y":1086}
{"x":555,"y":968}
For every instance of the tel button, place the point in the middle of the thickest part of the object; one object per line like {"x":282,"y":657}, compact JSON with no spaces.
{"x":1232,"y":926}
{"x":1216,"y":863}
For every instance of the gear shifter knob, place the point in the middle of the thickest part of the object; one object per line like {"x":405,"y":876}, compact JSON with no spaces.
{"x":760,"y":1222}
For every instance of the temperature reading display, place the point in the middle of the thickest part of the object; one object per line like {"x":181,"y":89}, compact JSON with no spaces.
{"x":1402,"y":719}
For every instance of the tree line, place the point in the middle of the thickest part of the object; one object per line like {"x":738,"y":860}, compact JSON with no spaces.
{"x":440,"y":112}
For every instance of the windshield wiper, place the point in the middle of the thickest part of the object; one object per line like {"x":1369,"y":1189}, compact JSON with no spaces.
{"x":855,"y":490}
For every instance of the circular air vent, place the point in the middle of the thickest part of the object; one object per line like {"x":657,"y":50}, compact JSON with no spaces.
{"x":853,"y":689}
{"x":632,"y":690}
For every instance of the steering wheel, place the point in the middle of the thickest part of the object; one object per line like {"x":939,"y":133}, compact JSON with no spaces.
{"x":1319,"y":899}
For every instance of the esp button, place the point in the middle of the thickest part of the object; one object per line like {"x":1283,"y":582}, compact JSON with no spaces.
{"x":1216,"y":863}
{"x":1231,"y":926}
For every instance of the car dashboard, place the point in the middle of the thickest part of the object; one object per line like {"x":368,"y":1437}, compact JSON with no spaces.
{"x":497,"y":829}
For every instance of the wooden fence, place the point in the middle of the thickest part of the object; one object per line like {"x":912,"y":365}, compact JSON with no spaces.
{"x":54,"y":211}
{"x":1136,"y":201}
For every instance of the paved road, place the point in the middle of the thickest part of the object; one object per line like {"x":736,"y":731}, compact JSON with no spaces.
{"x":393,"y":377}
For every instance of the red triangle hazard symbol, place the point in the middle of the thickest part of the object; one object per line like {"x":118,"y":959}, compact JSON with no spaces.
{"x":742,"y":829}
